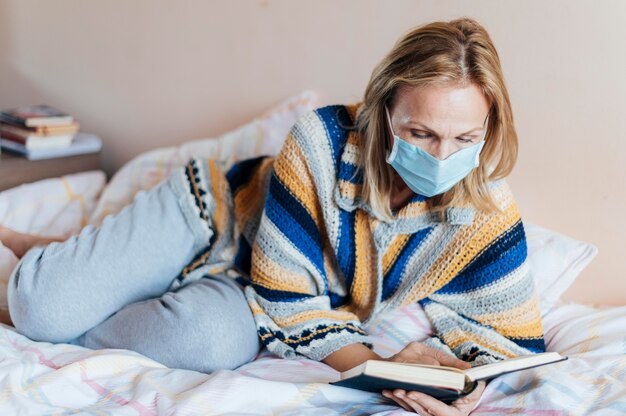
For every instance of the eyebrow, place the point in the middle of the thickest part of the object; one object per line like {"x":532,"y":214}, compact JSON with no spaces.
{"x":425,"y":127}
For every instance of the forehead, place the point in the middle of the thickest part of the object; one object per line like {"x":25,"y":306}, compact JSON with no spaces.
{"x":441,"y":106}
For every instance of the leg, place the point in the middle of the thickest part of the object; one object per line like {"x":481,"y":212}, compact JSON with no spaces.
{"x":58,"y":292}
{"x":20,"y":243}
{"x":203,"y":326}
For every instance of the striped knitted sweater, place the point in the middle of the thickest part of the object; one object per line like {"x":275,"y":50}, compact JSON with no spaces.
{"x":321,"y":265}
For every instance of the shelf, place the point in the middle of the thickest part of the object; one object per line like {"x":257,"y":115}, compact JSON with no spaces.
{"x":16,"y":170}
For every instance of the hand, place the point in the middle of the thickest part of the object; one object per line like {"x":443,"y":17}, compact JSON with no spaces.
{"x":424,"y":404}
{"x":418,"y":353}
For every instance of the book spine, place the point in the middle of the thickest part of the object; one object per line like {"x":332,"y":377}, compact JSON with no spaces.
{"x":11,"y":119}
{"x":13,"y":137}
{"x":55,"y":130}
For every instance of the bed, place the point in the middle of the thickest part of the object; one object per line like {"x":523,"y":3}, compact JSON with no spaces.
{"x":43,"y":378}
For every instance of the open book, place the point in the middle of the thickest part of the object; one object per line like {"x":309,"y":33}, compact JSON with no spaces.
{"x":443,"y":383}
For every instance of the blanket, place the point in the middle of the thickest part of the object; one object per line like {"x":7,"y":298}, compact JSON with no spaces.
{"x":43,"y":378}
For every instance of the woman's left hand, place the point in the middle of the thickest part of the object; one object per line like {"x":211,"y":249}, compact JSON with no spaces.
{"x":425,"y":405}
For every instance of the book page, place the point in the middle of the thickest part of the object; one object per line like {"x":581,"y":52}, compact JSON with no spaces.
{"x":515,"y":364}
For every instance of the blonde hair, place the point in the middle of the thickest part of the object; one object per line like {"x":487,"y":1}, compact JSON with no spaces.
{"x":439,"y":53}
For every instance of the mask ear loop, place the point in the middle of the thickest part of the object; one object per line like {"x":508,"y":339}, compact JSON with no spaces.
{"x":391,"y":155}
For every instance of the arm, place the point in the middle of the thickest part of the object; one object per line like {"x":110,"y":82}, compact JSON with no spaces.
{"x":350,"y":356}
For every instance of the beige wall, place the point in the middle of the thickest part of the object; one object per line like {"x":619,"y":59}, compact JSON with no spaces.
{"x":148,"y":73}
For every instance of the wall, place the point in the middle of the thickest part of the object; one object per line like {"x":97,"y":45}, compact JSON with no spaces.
{"x":149,"y":73}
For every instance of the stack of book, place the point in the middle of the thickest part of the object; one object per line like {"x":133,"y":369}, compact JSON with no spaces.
{"x":43,"y":132}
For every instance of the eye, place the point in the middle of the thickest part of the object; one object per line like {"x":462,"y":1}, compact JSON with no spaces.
{"x":464,"y":139}
{"x":420,"y":134}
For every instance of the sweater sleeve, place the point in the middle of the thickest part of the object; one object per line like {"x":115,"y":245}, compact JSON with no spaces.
{"x":490,"y":311}
{"x":291,"y":260}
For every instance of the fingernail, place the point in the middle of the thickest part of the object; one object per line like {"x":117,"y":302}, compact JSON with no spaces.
{"x":399,"y":394}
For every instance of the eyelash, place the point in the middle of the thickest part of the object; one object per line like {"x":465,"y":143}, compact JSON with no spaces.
{"x":428,"y":135}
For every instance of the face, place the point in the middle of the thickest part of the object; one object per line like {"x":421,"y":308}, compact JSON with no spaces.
{"x":440,"y":119}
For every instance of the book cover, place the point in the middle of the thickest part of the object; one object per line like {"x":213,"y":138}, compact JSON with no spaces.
{"x":83,"y":143}
{"x":43,"y":130}
{"x":34,"y":141}
{"x":35,"y":115}
{"x":444,"y":383}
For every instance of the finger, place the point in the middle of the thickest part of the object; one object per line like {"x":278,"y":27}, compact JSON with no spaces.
{"x":444,"y":358}
{"x":399,"y":402}
{"x":434,"y":406}
{"x":408,"y":404}
{"x":468,"y":403}
{"x":425,"y":359}
{"x":415,"y":358}
{"x":389,"y":394}
{"x":417,"y":408}
{"x":449,"y":360}
{"x":441,"y":357}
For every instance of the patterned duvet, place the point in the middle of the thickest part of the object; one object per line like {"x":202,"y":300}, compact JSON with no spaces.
{"x":39,"y":378}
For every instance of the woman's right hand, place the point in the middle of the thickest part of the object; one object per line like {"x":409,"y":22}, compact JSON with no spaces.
{"x":418,"y":353}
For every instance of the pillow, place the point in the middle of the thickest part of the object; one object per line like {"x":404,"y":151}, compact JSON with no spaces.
{"x":555,"y":262}
{"x":263,"y":135}
{"x":57,"y":207}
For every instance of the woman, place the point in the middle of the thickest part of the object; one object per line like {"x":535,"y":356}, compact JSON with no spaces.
{"x":396,"y":200}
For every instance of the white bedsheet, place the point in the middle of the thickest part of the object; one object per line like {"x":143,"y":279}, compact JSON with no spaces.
{"x":41,"y":378}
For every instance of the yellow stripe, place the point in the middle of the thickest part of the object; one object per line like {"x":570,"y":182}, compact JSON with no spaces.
{"x":220,"y":216}
{"x":354,"y":138}
{"x":293,"y":172}
{"x":269,"y":274}
{"x":364,"y":284}
{"x":308,"y":316}
{"x":465,"y":246}
{"x":352,"y":110}
{"x":520,"y":322}
{"x":350,"y":190}
{"x":392,"y":253}
{"x":457,"y":337}
{"x":248,"y":199}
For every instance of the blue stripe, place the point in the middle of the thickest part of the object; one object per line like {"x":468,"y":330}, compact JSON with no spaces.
{"x":279,"y":295}
{"x":350,"y":173}
{"x":244,"y":256}
{"x":293,"y":220}
{"x":394,"y":276}
{"x":347,"y":246}
{"x":534,"y":344}
{"x":335,"y":119}
{"x":337,"y":300}
{"x":241,"y":172}
{"x":496,"y":261}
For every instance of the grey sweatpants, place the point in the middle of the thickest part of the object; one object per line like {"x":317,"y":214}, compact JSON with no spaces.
{"x":111,"y":287}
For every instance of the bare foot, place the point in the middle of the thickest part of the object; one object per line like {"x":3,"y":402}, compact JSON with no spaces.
{"x":20,"y":243}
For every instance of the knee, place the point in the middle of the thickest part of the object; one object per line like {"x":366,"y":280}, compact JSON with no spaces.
{"x":222,"y":336}
{"x":32,"y":312}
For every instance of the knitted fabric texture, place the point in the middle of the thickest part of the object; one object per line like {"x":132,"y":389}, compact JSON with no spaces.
{"x":323,"y":265}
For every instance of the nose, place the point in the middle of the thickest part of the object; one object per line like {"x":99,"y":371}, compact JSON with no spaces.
{"x":442,"y":149}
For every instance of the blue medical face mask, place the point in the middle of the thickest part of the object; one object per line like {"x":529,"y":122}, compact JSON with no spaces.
{"x":425,"y":174}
